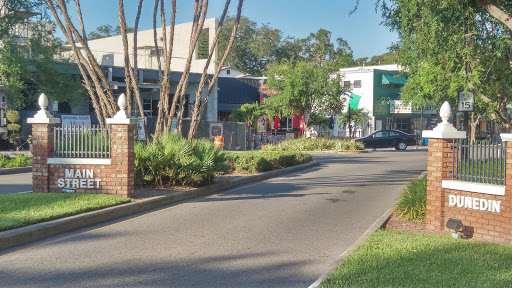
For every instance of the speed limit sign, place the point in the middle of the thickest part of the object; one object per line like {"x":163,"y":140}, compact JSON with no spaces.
{"x":466,"y":102}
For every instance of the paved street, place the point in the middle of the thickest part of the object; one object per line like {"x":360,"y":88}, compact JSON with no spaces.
{"x":16,"y":183}
{"x":283,"y":232}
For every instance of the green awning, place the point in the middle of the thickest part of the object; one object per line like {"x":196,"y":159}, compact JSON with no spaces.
{"x":353,"y":102}
{"x":391,"y":79}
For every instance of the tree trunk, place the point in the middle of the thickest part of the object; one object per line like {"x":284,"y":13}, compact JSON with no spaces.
{"x":200,"y":106}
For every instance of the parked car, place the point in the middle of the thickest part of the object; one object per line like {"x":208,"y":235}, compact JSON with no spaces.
{"x":388,"y":138}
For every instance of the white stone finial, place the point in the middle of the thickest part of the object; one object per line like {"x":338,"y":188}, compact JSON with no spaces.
{"x":445,"y":129}
{"x":121,"y":102}
{"x":445,"y":112}
{"x":43,"y":103}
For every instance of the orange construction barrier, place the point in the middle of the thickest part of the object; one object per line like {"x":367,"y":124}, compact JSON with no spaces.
{"x":219,"y":142}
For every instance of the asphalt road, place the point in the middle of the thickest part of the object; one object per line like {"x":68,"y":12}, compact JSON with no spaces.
{"x":283,"y":232}
{"x":16,"y":183}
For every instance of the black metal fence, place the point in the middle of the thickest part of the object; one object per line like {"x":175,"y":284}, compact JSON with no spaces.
{"x":479,"y":161}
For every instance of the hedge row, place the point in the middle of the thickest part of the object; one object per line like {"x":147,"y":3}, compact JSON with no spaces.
{"x":256,"y":162}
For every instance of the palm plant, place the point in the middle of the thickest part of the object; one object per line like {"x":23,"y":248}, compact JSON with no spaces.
{"x":358,"y":117}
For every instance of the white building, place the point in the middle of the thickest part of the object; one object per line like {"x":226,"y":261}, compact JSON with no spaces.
{"x":109,"y":52}
{"x":376,"y":89}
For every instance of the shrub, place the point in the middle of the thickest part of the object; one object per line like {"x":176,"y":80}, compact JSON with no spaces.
{"x":349,"y":146}
{"x":4,"y":161}
{"x":21,"y":160}
{"x":175,"y":160}
{"x":256,"y":162}
{"x":13,"y":117}
{"x":412,"y":204}
{"x":307,"y":144}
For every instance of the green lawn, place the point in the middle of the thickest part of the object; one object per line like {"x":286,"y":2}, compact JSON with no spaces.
{"x":397,"y":259}
{"x":18,"y":210}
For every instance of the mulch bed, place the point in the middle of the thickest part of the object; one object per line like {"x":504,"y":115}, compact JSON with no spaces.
{"x":398,"y":223}
{"x":143,"y":192}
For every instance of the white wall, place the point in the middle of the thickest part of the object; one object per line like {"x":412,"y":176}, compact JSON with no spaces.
{"x":113,"y":46}
{"x":366,"y":75}
{"x":233,"y":73}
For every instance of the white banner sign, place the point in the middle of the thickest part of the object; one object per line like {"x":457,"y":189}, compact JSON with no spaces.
{"x":397,"y":106}
{"x":141,"y":135}
{"x":76,"y":120}
{"x":262,"y":124}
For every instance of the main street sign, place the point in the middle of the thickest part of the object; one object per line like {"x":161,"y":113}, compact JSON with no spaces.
{"x":466,"y":102}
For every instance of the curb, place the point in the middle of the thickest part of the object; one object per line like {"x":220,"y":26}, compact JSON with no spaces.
{"x":379,"y":223}
{"x":17,"y":170}
{"x":36,"y":232}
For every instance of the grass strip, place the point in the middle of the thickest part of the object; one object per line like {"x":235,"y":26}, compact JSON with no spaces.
{"x":18,"y":210}
{"x":398,"y":259}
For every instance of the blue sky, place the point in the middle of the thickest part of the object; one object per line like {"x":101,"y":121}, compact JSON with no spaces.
{"x":297,"y":18}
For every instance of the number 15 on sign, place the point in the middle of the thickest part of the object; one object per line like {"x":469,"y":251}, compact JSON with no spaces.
{"x":466,"y":102}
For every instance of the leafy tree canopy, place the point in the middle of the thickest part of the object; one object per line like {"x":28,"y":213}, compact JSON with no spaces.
{"x":449,"y":46}
{"x":256,"y":46}
{"x":104,"y":31}
{"x":304,"y":88}
{"x":27,"y":65}
{"x":249,"y":113}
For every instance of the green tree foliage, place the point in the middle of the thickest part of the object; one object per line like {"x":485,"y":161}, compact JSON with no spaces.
{"x":357,"y":117}
{"x":256,"y":46}
{"x":450,"y":46}
{"x":13,"y":117}
{"x":383,"y":59}
{"x":249,"y":113}
{"x":203,"y":46}
{"x":27,"y":65}
{"x":104,"y":31}
{"x":318,"y":49}
{"x":304,"y":88}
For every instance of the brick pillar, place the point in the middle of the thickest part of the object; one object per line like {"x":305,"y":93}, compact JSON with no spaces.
{"x":439,"y":166}
{"x":506,"y":205}
{"x":42,"y":145}
{"x":122,"y":153}
{"x":42,"y":149}
{"x":123,"y":158}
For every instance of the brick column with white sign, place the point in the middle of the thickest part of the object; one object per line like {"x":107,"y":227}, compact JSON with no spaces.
{"x":485,"y":210}
{"x":505,"y":219}
{"x":439,"y":163}
{"x":121,"y":180}
{"x":42,"y":145}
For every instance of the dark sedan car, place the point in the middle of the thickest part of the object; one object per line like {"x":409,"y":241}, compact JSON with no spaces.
{"x":388,"y":138}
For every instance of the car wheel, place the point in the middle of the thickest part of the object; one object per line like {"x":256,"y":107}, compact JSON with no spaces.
{"x":402,"y":146}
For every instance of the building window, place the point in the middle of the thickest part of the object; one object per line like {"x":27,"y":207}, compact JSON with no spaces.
{"x":402,"y":124}
{"x":228,"y":71}
{"x":357,"y":84}
{"x":203,"y":45}
{"x":153,"y":52}
{"x":346,"y":84}
{"x":147,"y":106}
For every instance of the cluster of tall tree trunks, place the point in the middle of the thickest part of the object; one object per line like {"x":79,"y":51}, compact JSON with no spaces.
{"x":97,"y":84}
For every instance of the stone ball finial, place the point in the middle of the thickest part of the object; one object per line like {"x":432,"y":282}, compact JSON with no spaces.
{"x":121,"y":102}
{"x":43,"y":101}
{"x":445,"y":112}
